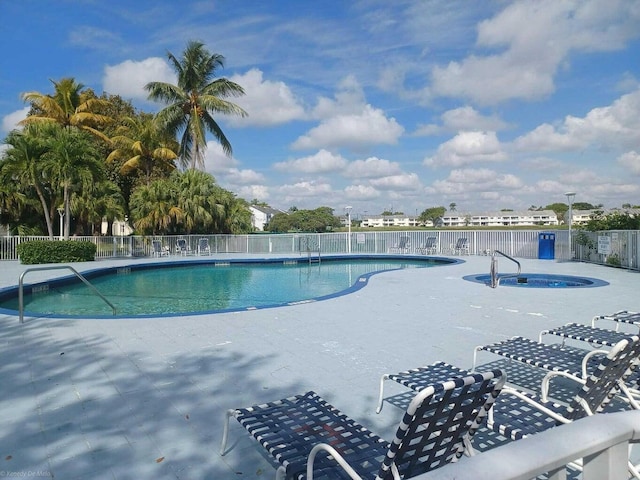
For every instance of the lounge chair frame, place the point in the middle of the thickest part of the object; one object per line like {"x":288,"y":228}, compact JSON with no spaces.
{"x":517,"y":414}
{"x":182,"y":247}
{"x":560,"y":360}
{"x":429,"y":247}
{"x":306,"y":434}
{"x":203,"y":246}
{"x":158,"y":250}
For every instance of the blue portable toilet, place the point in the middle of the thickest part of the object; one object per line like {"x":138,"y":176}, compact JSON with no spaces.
{"x":546,"y":245}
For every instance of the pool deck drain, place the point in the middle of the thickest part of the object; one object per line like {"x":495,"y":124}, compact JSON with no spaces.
{"x":127,"y":398}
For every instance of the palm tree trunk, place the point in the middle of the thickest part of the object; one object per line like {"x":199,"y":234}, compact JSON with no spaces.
{"x":67,"y":212}
{"x":45,"y":209}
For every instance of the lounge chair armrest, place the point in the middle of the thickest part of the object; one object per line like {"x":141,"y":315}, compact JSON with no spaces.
{"x":544,"y":387}
{"x":336,"y":456}
{"x":587,"y":357}
{"x":516,"y":393}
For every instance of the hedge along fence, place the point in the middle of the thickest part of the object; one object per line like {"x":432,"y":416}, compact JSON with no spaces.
{"x":56,"y":251}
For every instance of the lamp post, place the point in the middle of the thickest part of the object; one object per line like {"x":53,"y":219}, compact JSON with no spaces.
{"x":348,"y":210}
{"x":61,"y":215}
{"x":570,"y":197}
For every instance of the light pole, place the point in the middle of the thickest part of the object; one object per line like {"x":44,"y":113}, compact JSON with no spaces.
{"x":570,"y":197}
{"x":348,"y":210}
{"x":61,"y":215}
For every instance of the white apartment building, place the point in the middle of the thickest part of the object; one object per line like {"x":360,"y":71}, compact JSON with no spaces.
{"x":499,"y":219}
{"x":378,"y":221}
{"x":260,"y":216}
{"x":455,"y":219}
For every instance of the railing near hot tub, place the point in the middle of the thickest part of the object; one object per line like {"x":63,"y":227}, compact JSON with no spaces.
{"x":56,"y":267}
{"x":495,"y":279}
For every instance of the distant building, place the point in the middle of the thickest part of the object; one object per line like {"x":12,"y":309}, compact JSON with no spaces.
{"x":260,"y":216}
{"x":377,"y":221}
{"x":499,"y":219}
{"x":456,"y":219}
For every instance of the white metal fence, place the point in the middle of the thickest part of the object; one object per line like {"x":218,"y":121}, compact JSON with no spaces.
{"x":624,"y":246}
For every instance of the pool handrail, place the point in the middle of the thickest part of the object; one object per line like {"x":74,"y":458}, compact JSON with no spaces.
{"x":56,"y":267}
{"x":495,"y":279}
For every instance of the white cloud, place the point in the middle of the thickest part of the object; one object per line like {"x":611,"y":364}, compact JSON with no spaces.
{"x":532,"y":39}
{"x":249,"y":192}
{"x":403,"y":182}
{"x":610,"y":126}
{"x":462,"y":119}
{"x":10,"y":121}
{"x":243,"y":177}
{"x":361,"y":192}
{"x":268,"y":103}
{"x":468,"y":148}
{"x":305,"y":189}
{"x":631,"y":161}
{"x":216,"y":161}
{"x":369,"y":127}
{"x":349,"y":99}
{"x":321,"y":162}
{"x":128,"y":78}
{"x":372,"y":167}
{"x":467,"y":180}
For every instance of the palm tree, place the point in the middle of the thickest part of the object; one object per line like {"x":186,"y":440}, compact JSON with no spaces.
{"x":193,"y":100}
{"x":68,"y":107}
{"x":24,"y":164}
{"x":73,"y":164}
{"x":143,"y":147}
{"x":92,"y":205}
{"x":154,"y":208}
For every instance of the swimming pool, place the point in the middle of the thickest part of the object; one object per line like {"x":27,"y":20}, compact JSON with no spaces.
{"x":539,"y":280}
{"x":201,"y":287}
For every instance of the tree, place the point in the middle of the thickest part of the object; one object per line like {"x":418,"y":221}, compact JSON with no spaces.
{"x":194,"y":100}
{"x":23,"y":163}
{"x":143,"y":148}
{"x":319,"y":220}
{"x":612,"y":221}
{"x":280,"y":222}
{"x":188,"y":202}
{"x":560,"y":209}
{"x":103,"y":200}
{"x":73,"y":164}
{"x":432,"y":214}
{"x":69,"y":106}
{"x":154,"y":208}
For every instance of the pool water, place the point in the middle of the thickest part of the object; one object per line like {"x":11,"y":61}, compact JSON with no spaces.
{"x":539,"y":280}
{"x":191,"y":288}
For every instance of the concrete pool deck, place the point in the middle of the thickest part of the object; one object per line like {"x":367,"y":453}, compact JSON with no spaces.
{"x":145,"y":398}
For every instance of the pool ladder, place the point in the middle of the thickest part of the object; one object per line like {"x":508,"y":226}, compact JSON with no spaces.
{"x":495,"y":279}
{"x":57,"y":267}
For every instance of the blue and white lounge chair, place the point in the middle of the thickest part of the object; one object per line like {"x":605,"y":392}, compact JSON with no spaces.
{"x":305,"y":434}
{"x":158,"y":249}
{"x":517,"y":414}
{"x":183,"y":247}
{"x":402,"y":246}
{"x":621,"y":317}
{"x":429,"y":247}
{"x":461,"y":247}
{"x":203,"y":246}
{"x":558,"y":359}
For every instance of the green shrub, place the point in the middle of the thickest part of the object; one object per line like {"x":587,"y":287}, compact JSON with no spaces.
{"x":56,"y":251}
{"x":614,"y":260}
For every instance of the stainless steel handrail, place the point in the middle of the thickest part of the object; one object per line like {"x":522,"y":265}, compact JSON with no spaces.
{"x":495,"y":279}
{"x":57,"y":267}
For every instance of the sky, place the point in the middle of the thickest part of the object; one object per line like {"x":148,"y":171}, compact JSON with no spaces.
{"x":371,"y":104}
